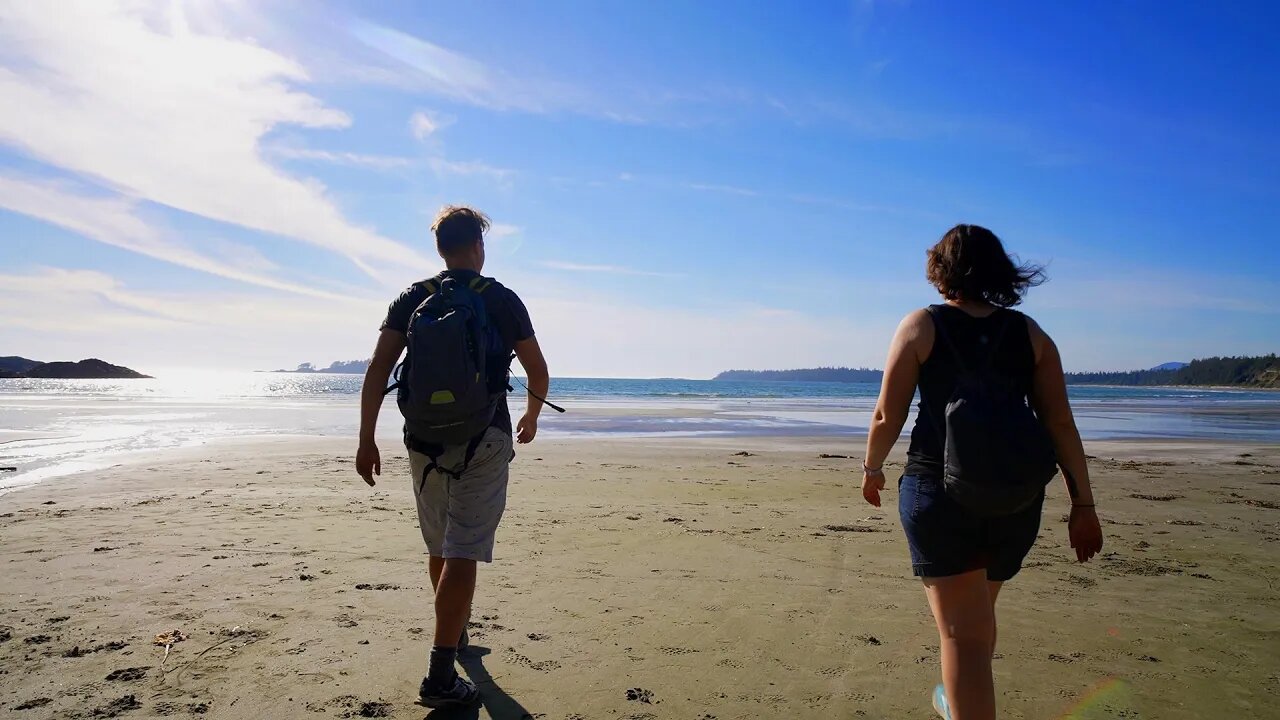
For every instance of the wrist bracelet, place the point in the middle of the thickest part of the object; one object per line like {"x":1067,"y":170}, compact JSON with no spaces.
{"x":872,"y":471}
{"x":1073,"y":505}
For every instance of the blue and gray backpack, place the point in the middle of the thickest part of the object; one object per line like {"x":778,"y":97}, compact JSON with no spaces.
{"x":443,"y":385}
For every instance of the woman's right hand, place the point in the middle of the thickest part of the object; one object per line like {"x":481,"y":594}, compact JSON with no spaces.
{"x":872,"y":484}
{"x":1085,"y":532}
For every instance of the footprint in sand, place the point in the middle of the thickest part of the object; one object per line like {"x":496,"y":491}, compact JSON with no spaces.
{"x":678,"y":651}
{"x":641,"y":695}
{"x":116,"y":708}
{"x":127,"y":674}
{"x":518,"y":659}
{"x":168,"y":708}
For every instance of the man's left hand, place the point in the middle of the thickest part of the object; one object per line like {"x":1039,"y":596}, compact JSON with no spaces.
{"x":527,"y":429}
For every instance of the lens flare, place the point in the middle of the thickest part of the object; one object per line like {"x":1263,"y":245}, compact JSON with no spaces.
{"x":1107,"y":692}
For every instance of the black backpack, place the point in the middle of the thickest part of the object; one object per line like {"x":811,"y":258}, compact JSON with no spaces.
{"x":998,"y":456}
{"x":443,"y":384}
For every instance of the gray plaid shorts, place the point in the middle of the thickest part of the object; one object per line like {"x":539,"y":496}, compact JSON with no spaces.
{"x":459,"y":516}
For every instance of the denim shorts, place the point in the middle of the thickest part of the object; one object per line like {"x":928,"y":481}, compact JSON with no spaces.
{"x":946,"y":539}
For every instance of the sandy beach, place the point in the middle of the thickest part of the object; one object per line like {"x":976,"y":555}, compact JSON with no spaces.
{"x":634,"y":579}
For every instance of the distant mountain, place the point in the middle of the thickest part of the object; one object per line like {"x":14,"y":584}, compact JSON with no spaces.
{"x":1259,"y":372}
{"x":14,"y":366}
{"x":1171,"y":366}
{"x":826,"y":374}
{"x":350,"y":367}
{"x":91,"y":369}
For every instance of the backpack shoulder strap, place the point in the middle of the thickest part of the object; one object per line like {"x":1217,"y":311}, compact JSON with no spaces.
{"x":481,"y":283}
{"x":432,"y":285}
{"x":995,"y":344}
{"x":941,"y":328}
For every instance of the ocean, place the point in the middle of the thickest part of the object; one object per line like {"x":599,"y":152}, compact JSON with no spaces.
{"x":50,"y":428}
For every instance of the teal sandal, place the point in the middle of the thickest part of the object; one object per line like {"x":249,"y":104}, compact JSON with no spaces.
{"x":940,"y":705}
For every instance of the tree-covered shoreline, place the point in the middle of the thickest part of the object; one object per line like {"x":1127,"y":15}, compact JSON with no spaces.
{"x":1254,"y":372}
{"x":823,"y":374}
{"x":1259,"y":372}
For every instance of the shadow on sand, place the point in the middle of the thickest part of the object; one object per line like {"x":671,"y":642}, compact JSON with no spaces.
{"x":493,"y":699}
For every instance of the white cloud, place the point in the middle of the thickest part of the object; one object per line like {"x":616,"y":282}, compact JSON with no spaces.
{"x":114,"y":221}
{"x":76,"y":302}
{"x":470,"y":168}
{"x":56,"y":313}
{"x":1162,"y":291}
{"x":607,"y":269}
{"x":424,"y":65}
{"x":373,"y":162}
{"x":450,"y":73}
{"x":727,"y":189}
{"x":423,"y":124}
{"x":141,"y":102}
{"x":600,"y":337}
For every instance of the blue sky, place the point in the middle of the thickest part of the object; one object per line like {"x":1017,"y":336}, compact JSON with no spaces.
{"x":678,"y":188}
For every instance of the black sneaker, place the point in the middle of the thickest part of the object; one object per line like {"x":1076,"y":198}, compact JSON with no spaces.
{"x":459,"y":693}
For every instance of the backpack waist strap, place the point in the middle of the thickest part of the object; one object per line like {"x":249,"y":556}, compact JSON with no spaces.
{"x":433,"y":453}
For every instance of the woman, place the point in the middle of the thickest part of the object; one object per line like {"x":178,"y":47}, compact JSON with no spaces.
{"x":962,"y":554}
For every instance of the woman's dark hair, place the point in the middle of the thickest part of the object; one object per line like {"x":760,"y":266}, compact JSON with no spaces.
{"x":969,"y":263}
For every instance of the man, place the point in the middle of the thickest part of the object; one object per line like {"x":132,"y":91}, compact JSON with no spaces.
{"x":461,"y":489}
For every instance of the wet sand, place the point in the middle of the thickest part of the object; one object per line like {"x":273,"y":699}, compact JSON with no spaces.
{"x":634,"y":579}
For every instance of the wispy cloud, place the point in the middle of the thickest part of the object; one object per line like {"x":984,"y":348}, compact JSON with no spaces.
{"x":1148,"y":289}
{"x":443,"y":167}
{"x":145,"y":104}
{"x":55,"y":313}
{"x":606,"y":269}
{"x":455,"y":76}
{"x":30,"y":301}
{"x":60,"y":313}
{"x":754,"y":193}
{"x":423,"y":124}
{"x":877,"y":68}
{"x":727,"y":189}
{"x":114,"y":221}
{"x":373,"y":162}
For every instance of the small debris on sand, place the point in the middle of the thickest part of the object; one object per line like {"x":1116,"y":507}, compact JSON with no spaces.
{"x":171,"y":637}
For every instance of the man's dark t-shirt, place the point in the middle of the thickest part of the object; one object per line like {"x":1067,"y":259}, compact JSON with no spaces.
{"x":506,"y":313}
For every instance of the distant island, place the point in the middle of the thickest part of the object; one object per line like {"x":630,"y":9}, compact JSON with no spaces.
{"x":1257,"y":372}
{"x":824,"y":374}
{"x":350,"y":367}
{"x":91,"y":369}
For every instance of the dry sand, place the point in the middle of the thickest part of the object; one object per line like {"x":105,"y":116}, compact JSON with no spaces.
{"x":634,"y":579}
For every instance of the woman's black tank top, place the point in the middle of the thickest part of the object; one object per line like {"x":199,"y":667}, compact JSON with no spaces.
{"x":1013,"y":358}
